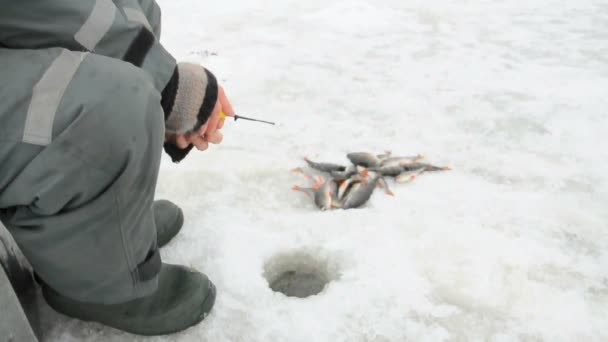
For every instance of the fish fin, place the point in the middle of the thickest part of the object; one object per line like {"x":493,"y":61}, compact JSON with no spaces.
{"x":364,"y":172}
{"x":419,"y":157}
{"x":297,"y":169}
{"x":401,"y":179}
{"x":304,"y":190}
{"x":344,"y":185}
{"x":446,"y":168}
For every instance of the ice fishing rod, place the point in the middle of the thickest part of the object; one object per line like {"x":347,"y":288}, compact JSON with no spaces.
{"x":236,"y":117}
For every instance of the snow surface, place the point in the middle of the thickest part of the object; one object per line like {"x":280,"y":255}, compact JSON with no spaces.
{"x":511,"y":245}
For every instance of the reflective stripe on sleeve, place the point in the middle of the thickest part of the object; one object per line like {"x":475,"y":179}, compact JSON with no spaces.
{"x":97,"y":25}
{"x":138,"y":17}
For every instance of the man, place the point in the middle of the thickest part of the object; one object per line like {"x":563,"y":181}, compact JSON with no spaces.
{"x":88,"y":99}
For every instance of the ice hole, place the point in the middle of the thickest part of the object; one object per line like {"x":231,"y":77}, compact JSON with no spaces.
{"x":298,"y":274}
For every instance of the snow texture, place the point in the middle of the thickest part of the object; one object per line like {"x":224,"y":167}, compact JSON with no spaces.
{"x":510,"y":246}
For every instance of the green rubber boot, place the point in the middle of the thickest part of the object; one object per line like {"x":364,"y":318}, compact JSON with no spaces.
{"x":169,"y":221}
{"x":183,"y":299}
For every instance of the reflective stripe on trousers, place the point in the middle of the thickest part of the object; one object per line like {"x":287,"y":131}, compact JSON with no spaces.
{"x":47,"y":95}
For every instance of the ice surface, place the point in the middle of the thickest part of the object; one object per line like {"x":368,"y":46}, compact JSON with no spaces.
{"x":511,"y":245}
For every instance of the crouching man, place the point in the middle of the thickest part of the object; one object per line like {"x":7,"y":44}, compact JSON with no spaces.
{"x":88,"y":100}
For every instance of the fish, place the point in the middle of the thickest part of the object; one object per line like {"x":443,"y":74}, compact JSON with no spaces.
{"x":341,"y":176}
{"x":408,"y":176}
{"x":380,"y":180}
{"x":347,"y":186}
{"x":321,"y":192}
{"x":325,"y":167}
{"x":427,"y":167}
{"x":395,"y":161}
{"x":364,"y":159}
{"x":359,"y":196}
{"x":333,"y":189}
{"x":352,"y":186}
{"x":391,"y":171}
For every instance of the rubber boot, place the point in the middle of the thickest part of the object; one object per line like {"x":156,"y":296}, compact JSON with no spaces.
{"x":169,"y":221}
{"x":184,"y":298}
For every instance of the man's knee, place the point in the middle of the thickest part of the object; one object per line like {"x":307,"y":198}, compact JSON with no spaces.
{"x":120,"y":103}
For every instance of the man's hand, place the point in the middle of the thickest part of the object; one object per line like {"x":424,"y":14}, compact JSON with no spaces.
{"x":210,"y":131}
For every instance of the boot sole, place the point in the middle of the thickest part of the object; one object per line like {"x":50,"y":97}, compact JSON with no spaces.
{"x":207,"y":306}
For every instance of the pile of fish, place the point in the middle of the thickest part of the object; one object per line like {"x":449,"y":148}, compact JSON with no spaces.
{"x":348,"y":187}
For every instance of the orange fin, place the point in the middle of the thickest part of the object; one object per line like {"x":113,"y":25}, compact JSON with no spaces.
{"x":297,"y":188}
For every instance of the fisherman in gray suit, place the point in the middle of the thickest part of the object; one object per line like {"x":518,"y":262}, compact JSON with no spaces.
{"x":88,"y":100}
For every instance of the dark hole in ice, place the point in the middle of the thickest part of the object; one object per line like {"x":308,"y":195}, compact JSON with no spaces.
{"x":299,"y":284}
{"x":298,"y":274}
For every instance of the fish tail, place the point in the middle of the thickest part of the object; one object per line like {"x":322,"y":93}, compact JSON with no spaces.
{"x":308,"y":161}
{"x":435,"y":168}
